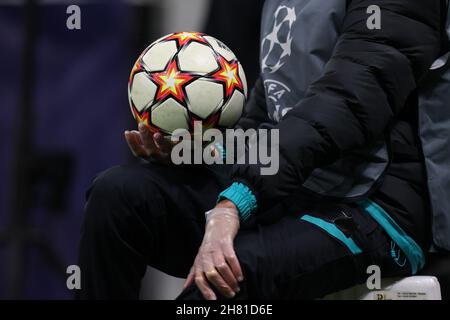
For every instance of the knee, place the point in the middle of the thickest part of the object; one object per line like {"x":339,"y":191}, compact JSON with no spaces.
{"x":123,"y":183}
{"x":118,"y":193}
{"x":103,"y":198}
{"x":108,"y":185}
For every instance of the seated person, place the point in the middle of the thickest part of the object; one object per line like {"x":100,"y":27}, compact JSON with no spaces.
{"x":288,"y":235}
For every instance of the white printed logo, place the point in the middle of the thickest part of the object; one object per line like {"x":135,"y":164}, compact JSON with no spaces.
{"x":275,"y":91}
{"x":276,"y":46}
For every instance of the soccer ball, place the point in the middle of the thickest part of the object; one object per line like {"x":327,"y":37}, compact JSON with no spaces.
{"x":186,"y":77}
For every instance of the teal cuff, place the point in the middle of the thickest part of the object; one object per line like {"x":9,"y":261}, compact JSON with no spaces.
{"x":242,"y":197}
{"x":219,"y":147}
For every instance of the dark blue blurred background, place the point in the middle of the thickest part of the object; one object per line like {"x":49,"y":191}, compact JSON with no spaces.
{"x":68,"y":94}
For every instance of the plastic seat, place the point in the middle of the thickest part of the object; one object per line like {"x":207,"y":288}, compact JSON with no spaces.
{"x":410,"y":288}
{"x":433,"y":283}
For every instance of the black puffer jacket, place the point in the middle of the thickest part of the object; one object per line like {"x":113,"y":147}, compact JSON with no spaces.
{"x":366,"y":85}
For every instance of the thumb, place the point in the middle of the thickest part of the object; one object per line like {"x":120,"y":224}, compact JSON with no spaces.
{"x":161,"y":142}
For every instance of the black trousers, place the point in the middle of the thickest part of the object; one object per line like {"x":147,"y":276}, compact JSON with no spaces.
{"x":151,"y":214}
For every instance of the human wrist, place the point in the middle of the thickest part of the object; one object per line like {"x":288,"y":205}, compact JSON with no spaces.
{"x":223,"y":211}
{"x":242,"y":197}
{"x":225,"y":203}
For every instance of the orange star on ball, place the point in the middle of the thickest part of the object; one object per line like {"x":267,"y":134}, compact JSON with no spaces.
{"x":229,"y":75}
{"x":170,"y":82}
{"x":184,"y":38}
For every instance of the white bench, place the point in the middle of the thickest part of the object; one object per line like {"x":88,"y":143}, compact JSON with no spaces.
{"x":410,"y":288}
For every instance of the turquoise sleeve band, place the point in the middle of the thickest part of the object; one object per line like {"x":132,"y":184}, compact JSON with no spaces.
{"x":242,"y":197}
{"x":219,"y":147}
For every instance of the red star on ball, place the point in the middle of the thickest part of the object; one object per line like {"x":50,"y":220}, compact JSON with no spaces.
{"x":184,"y":38}
{"x":136,"y":68}
{"x":171,"y":82}
{"x":229,"y":75}
{"x":144,"y":118}
{"x":141,"y":118}
{"x":207,"y":123}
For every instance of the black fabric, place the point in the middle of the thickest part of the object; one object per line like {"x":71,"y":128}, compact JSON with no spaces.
{"x":255,"y":111}
{"x":142,"y":214}
{"x":246,"y":22}
{"x":150,"y":214}
{"x":368,"y":90}
{"x":403,"y":190}
{"x":364,"y":88}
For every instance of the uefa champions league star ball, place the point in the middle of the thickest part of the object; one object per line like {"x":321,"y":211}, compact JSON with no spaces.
{"x":186,"y":77}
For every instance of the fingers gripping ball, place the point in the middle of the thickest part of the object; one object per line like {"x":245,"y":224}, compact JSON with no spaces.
{"x":185,"y":77}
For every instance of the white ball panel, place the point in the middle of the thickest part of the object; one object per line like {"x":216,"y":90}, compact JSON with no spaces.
{"x":205,"y":97}
{"x":243,"y":79}
{"x":198,"y":58}
{"x":129,"y":92}
{"x":221,"y":48}
{"x":170,"y":115}
{"x":232,"y":110}
{"x":142,"y":91}
{"x":159,"y":55}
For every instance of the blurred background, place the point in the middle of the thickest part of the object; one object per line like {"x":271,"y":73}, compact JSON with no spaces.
{"x":63,"y":110}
